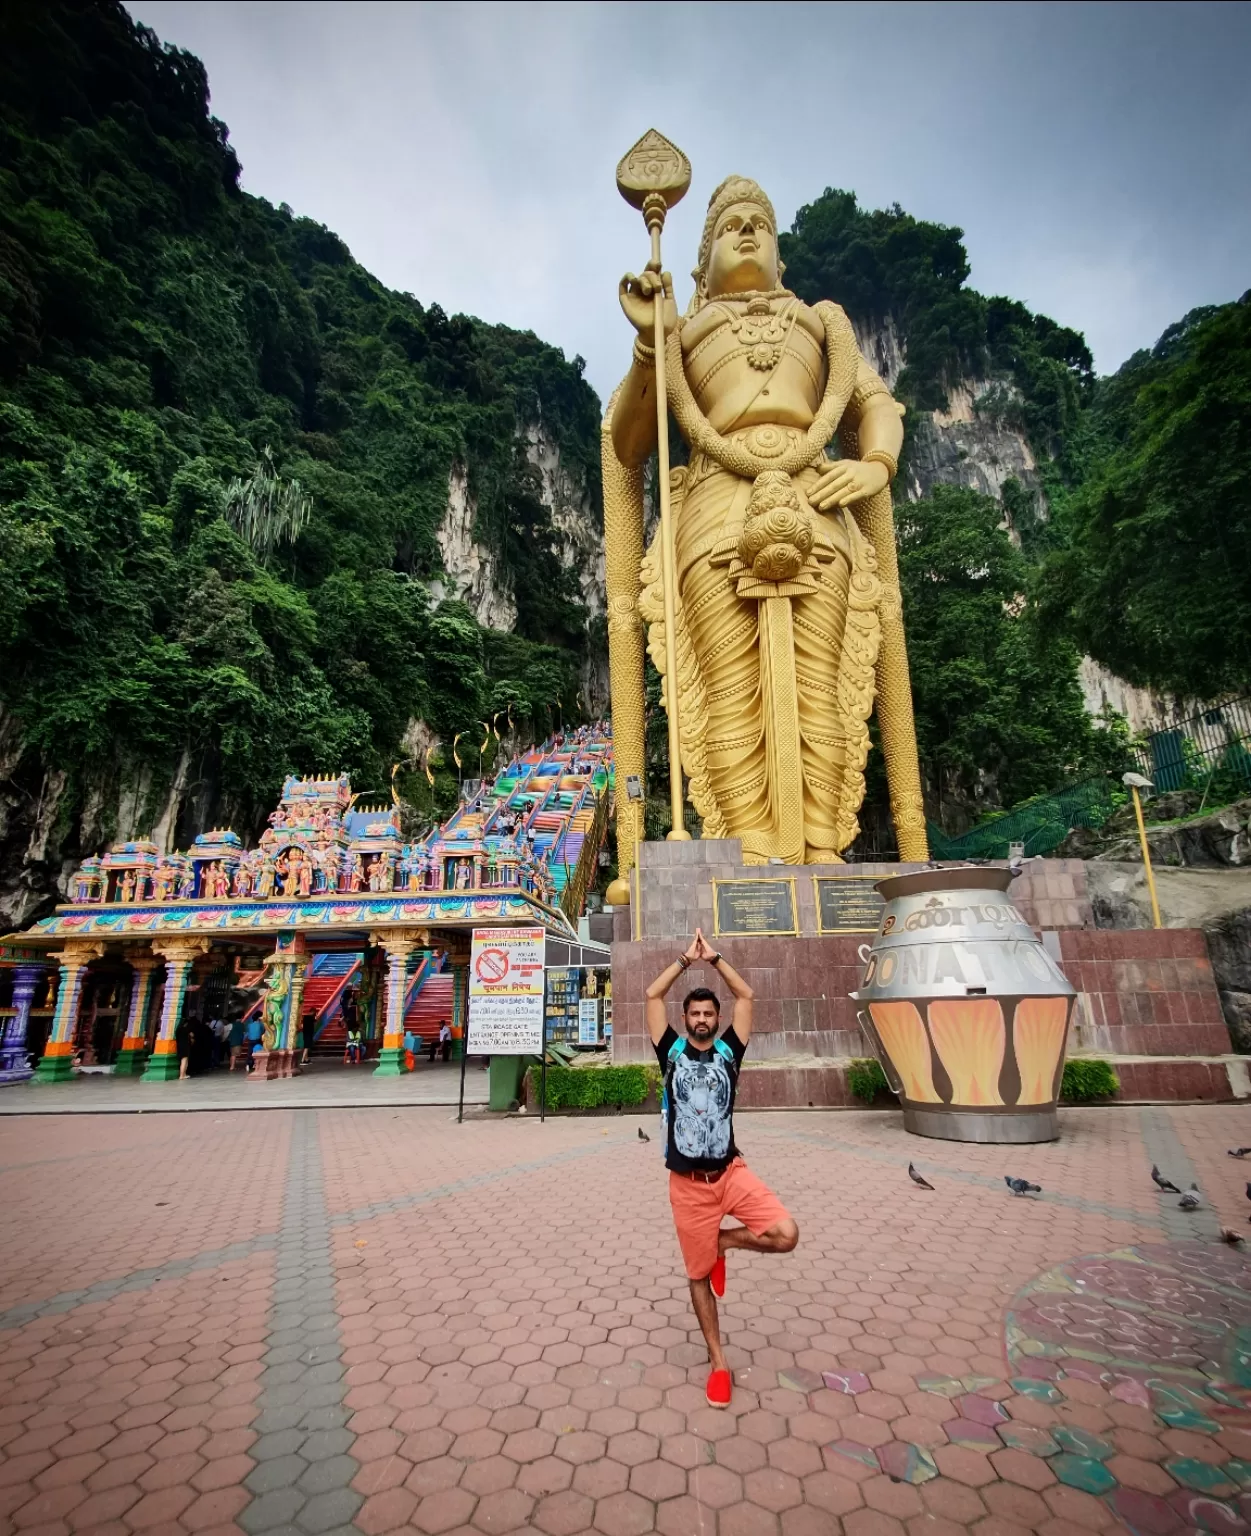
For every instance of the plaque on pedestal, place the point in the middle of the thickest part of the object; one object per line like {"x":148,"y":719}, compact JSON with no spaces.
{"x":745,"y":907}
{"x":847,"y":903}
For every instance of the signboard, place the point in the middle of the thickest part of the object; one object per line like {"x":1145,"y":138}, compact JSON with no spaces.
{"x":588,"y":1021}
{"x":848,"y":903}
{"x":754,"y":906}
{"x":506,"y":992}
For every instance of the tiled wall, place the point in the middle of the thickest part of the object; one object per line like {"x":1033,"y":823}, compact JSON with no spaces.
{"x":1146,"y":992}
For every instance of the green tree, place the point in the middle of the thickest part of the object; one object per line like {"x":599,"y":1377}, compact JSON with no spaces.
{"x":1155,"y":578}
{"x":999,"y":713}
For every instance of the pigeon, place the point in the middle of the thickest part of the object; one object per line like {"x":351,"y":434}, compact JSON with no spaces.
{"x":1228,"y":1235}
{"x":1166,"y":1185}
{"x":643,"y":1136}
{"x":1022,"y":1186}
{"x":916,"y":1178}
{"x":1239,"y":1151}
{"x":1192,"y":1199}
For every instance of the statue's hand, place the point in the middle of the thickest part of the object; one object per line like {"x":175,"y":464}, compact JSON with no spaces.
{"x":637,"y":294}
{"x":848,"y":481}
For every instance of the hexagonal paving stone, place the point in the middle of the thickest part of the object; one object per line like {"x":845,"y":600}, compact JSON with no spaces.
{"x":944,"y":1386}
{"x":1081,"y":1442}
{"x":1040,"y":1391}
{"x":906,"y":1463}
{"x":1027,"y":1437}
{"x":1145,"y":1513}
{"x":1083,"y":1472}
{"x":1201,"y":1476}
{"x":982,"y":1410}
{"x":854,"y":1451}
{"x":846,"y":1381}
{"x":974,"y":1437}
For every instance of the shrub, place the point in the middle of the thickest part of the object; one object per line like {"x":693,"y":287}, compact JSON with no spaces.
{"x":866,"y":1079}
{"x":591,"y":1087}
{"x":1086,"y":1080}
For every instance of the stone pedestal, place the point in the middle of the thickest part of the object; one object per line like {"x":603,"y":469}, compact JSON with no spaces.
{"x":1141,"y":992}
{"x":271,"y":1064}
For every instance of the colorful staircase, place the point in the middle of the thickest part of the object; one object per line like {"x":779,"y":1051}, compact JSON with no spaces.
{"x":328,"y":977}
{"x":430,"y":1004}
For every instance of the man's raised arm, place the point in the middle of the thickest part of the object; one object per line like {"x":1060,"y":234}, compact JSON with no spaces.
{"x":654,"y":1010}
{"x":743,"y":994}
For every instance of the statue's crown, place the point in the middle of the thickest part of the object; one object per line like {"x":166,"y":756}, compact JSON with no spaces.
{"x":734,"y":189}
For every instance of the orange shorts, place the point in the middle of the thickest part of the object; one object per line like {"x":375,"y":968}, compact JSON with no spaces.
{"x":699,"y":1208}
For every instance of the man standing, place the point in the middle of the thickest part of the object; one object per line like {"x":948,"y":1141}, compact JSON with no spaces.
{"x":708,"y":1179}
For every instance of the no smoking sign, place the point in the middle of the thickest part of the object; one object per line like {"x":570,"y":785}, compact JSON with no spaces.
{"x":491,"y":967}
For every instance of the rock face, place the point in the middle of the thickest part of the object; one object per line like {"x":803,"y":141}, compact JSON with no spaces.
{"x":1229,"y":944}
{"x":1220,"y":840}
{"x":472,"y":571}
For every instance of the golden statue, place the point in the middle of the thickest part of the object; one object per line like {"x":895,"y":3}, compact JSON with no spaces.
{"x":786,"y":610}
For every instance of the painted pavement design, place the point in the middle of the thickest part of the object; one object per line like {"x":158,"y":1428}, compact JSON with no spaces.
{"x":368,"y":1320}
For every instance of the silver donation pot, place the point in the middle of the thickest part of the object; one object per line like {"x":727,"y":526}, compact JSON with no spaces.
{"x":967,"y":1011}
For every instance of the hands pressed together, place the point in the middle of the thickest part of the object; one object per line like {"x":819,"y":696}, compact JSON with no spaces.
{"x":699,"y":948}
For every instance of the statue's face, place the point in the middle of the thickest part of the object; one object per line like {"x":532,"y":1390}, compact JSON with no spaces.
{"x":744,"y":251}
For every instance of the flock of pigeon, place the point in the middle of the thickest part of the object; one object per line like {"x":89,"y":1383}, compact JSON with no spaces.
{"x":1191,"y":1199}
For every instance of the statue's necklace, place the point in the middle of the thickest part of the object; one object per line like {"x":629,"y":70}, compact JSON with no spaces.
{"x":759,"y":329}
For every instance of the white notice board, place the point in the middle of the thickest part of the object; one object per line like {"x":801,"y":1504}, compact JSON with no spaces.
{"x":588,"y":1021}
{"x":506,"y":992}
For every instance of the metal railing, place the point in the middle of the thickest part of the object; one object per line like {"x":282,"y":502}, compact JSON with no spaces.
{"x":1210,"y":752}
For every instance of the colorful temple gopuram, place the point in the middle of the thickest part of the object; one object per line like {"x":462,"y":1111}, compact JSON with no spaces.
{"x":331,"y":922}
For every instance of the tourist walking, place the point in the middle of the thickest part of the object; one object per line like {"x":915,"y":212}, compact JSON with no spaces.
{"x":708,"y":1179}
{"x":445,"y":1040}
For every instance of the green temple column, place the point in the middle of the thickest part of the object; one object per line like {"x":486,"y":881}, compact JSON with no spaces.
{"x":56,"y":1063}
{"x":179,"y":955}
{"x":460,"y":1008}
{"x":286,"y":970}
{"x":398,"y":946}
{"x":134,"y":1051}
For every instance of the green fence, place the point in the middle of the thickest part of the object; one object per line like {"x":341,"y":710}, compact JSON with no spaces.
{"x":1040,"y":824}
{"x":1210,"y":752}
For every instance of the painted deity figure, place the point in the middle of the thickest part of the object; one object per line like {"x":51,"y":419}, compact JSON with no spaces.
{"x":243,"y":878}
{"x":354,"y":874}
{"x":304,"y":881}
{"x":265,"y":880}
{"x":786,"y":569}
{"x":128,"y":886}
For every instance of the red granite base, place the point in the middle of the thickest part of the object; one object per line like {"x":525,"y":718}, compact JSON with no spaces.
{"x":1162,"y":1080}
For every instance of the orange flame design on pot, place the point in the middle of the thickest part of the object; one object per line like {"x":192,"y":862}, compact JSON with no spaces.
{"x":969,"y":1036}
{"x":1038,"y":1035}
{"x":907,"y":1045}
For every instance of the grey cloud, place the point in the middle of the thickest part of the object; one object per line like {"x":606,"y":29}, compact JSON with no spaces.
{"x":1095,"y":155}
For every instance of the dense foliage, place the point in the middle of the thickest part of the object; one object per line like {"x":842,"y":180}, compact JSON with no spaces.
{"x":995,"y":692}
{"x":175,"y":356}
{"x":886,"y":263}
{"x":1153,"y":575}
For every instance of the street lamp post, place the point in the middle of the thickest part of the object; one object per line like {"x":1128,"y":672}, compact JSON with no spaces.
{"x":1135,"y":781}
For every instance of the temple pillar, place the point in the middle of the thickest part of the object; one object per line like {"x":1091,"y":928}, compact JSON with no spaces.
{"x":56,"y":1063}
{"x":179,"y":955}
{"x":280,"y":1009}
{"x":398,"y":945}
{"x":134,"y":1051}
{"x":14,"y":1068}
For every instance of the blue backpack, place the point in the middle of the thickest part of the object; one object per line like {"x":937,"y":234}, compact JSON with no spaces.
{"x":675,"y":1050}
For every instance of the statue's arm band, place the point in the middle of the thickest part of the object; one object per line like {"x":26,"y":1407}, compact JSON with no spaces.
{"x":880,"y":456}
{"x":644,"y":355}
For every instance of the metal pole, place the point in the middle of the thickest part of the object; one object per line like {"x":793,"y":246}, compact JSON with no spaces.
{"x":464,"y":1057}
{"x":1146,"y":857}
{"x":654,"y":213}
{"x":543,"y":1063}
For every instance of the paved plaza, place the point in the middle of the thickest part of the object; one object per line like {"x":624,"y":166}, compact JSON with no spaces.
{"x":371,"y":1319}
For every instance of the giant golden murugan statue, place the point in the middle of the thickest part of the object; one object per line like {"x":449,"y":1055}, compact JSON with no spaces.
{"x":787,"y":609}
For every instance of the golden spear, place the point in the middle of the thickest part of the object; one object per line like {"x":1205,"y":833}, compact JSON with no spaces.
{"x":652,"y":177}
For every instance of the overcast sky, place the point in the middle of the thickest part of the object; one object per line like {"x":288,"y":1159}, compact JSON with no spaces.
{"x":1096,"y":156}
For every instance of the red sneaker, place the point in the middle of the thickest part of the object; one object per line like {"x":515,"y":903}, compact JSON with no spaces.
{"x":720,"y":1389}
{"x":716,"y":1277}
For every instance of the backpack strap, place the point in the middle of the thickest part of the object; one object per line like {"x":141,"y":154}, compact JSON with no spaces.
{"x":676,"y":1049}
{"x":722,"y":1049}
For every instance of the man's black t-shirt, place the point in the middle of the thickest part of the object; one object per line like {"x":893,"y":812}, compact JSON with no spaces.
{"x":699,"y":1137}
